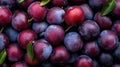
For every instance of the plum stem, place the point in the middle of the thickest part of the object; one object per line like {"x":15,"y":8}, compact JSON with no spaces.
{"x":29,"y":20}
{"x":68,"y":28}
{"x":2,"y":29}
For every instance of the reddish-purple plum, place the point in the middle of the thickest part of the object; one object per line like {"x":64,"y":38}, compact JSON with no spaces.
{"x":32,"y":62}
{"x":103,"y":21}
{"x":36,"y":11}
{"x":25,"y":37}
{"x":14,"y":52}
{"x":117,"y":8}
{"x":84,"y":61}
{"x":54,"y":34}
{"x":24,"y":3}
{"x":116,"y":27}
{"x":20,"y":20}
{"x":92,"y":48}
{"x":59,"y":2}
{"x":5,"y":15}
{"x":20,"y":64}
{"x":59,"y":55}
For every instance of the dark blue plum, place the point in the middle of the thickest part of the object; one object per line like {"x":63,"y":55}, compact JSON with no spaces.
{"x":7,"y":3}
{"x":55,"y":15}
{"x":116,"y":65}
{"x":73,"y":58}
{"x":97,"y":3}
{"x":47,"y":64}
{"x":106,"y":59}
{"x":87,"y":11}
{"x":3,"y":41}
{"x":89,"y":30}
{"x":96,"y":64}
{"x":2,"y":44}
{"x":4,"y":65}
{"x":39,"y":27}
{"x":73,"y":41}
{"x":11,"y":33}
{"x":116,"y":53}
{"x":108,"y":40}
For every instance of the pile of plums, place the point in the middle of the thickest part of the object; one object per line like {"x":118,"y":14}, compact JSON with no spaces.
{"x":62,"y":33}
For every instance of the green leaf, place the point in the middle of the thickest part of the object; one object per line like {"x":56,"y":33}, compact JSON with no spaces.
{"x":20,"y":1}
{"x":3,"y":55}
{"x":30,"y":50}
{"x":44,"y":2}
{"x":108,"y":7}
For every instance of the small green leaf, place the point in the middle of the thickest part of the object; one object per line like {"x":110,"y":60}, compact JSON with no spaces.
{"x":108,"y":7}
{"x":44,"y":2}
{"x":20,"y":1}
{"x":30,"y":50}
{"x":3,"y":55}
